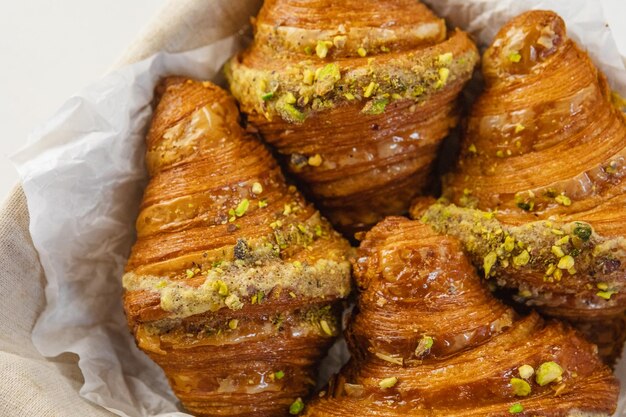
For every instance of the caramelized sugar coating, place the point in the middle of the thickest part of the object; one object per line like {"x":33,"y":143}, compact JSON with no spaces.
{"x":356,"y":96}
{"x":544,"y":150}
{"x":428,"y":339}
{"x":234,"y":284}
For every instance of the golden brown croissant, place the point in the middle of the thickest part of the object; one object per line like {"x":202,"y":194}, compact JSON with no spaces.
{"x":356,"y":96}
{"x":234,"y":282}
{"x":543,"y":152}
{"x":428,"y":339}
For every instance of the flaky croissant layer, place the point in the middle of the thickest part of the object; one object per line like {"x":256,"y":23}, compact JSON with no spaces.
{"x":234,"y":284}
{"x":428,"y":339}
{"x":543,"y":154}
{"x":356,"y":96}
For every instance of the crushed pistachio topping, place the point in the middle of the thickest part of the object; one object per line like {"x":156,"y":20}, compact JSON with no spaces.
{"x":515,"y":57}
{"x":520,"y":387}
{"x":516,"y":408}
{"x":326,"y":328}
{"x":279,"y":375}
{"x":388,"y":382}
{"x":242,"y":207}
{"x":519,"y":127}
{"x":257,"y":188}
{"x":424,"y":346}
{"x":376,"y":106}
{"x":322,"y":47}
{"x":326,"y":77}
{"x":563,"y":200}
{"x":262,"y":203}
{"x":472,"y":148}
{"x":296,"y":407}
{"x":267,"y":96}
{"x":606,"y":294}
{"x":232,"y":324}
{"x":501,"y":249}
{"x":407,"y":76}
{"x":548,"y":372}
{"x":526,"y":371}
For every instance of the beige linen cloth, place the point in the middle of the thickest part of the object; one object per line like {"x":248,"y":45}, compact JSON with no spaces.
{"x":31,"y":385}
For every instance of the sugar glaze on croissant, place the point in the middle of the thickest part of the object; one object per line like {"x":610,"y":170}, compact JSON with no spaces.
{"x":543,"y":158}
{"x":428,"y":339}
{"x":356,"y":96}
{"x":234,"y":284}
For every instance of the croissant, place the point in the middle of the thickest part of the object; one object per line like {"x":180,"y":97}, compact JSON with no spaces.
{"x":235,"y":282}
{"x":356,"y":97}
{"x":428,"y":339}
{"x":539,"y":189}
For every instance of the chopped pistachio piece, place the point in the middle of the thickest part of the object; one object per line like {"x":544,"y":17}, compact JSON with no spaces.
{"x":369,"y":90}
{"x":321,"y":49}
{"x":444,"y":73}
{"x":445,"y":59}
{"x":519,"y":127}
{"x":308,"y":77}
{"x":262,"y":203}
{"x":522,"y":259}
{"x":340,"y":41}
{"x":242,"y":207}
{"x":267,"y":96}
{"x":315,"y":160}
{"x":308,"y":50}
{"x":520,"y":387}
{"x":424,"y":345}
{"x":526,"y":371}
{"x":472,"y":148}
{"x":388,"y":382}
{"x":602,"y":286}
{"x":557,"y":251}
{"x":583,"y":231}
{"x":257,"y":188}
{"x":566,"y":262}
{"x":296,"y":407}
{"x":326,"y":78}
{"x":516,"y":408}
{"x":190,"y":273}
{"x":376,"y":106}
{"x":326,"y":328}
{"x":279,"y":374}
{"x":563,"y":200}
{"x":606,"y":294}
{"x":233,"y":324}
{"x":509,"y":243}
{"x":488,"y":262}
{"x":515,"y":57}
{"x":548,"y":372}
{"x":233,"y":302}
{"x":290,"y":113}
{"x":362,"y":52}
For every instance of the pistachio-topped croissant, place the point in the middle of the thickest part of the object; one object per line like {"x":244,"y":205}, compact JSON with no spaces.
{"x":356,"y":96}
{"x":543,"y":164}
{"x":234,"y":282}
{"x":428,"y":339}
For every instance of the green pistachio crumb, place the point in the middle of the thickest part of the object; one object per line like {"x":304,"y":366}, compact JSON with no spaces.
{"x":290,"y":113}
{"x":326,"y":328}
{"x":516,"y":408}
{"x":472,"y":148}
{"x":279,"y":374}
{"x":190,"y":273}
{"x":582,"y":231}
{"x":376,"y":106}
{"x":388,"y":382}
{"x":257,"y":188}
{"x":488,"y":262}
{"x":606,"y":294}
{"x":242,"y":207}
{"x":515,"y":57}
{"x":557,"y":251}
{"x":520,"y":387}
{"x":233,"y":302}
{"x":362,"y":52}
{"x":522,"y":259}
{"x":563,"y":200}
{"x":526,"y":371}
{"x":369,"y":90}
{"x":548,"y":372}
{"x":445,"y":59}
{"x":321,"y":49}
{"x":233,"y":324}
{"x":509,"y":243}
{"x":424,"y":345}
{"x":566,"y":262}
{"x":308,"y":50}
{"x":326,"y":78}
{"x":267,"y":96}
{"x":296,"y":407}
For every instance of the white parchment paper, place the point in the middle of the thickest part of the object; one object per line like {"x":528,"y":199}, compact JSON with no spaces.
{"x":83,"y":175}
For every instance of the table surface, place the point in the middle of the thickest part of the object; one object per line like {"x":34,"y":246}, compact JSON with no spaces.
{"x":52,"y":49}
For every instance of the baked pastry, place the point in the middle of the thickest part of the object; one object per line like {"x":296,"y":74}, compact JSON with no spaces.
{"x":543,"y":160}
{"x":356,"y":96}
{"x":428,"y":339}
{"x":234,"y":284}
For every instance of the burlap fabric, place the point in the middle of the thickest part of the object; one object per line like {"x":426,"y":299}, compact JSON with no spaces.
{"x":31,"y":385}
